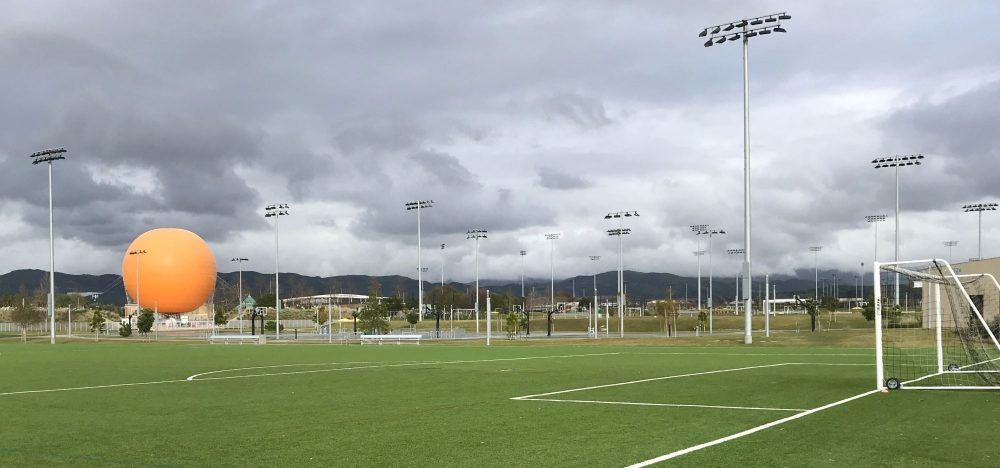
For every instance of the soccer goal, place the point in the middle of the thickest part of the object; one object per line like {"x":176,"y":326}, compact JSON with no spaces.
{"x":940,"y":338}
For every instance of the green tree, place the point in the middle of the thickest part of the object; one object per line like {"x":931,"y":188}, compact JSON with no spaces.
{"x":97,"y":324}
{"x":145,"y":322}
{"x":667,"y":309}
{"x":702,"y":319}
{"x":812,"y":308}
{"x":512,"y":325}
{"x":412,"y":317}
{"x":221,"y":318}
{"x":125,"y":330}
{"x":868,"y":311}
{"x":25,"y":315}
{"x":372,"y":317}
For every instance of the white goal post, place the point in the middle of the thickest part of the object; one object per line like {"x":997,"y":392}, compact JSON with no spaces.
{"x":941,"y":339}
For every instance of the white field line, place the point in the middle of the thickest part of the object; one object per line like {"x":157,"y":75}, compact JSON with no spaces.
{"x":653,"y":379}
{"x":755,"y":354}
{"x":191,"y":378}
{"x":406,"y":364}
{"x":747,"y":432}
{"x":50,"y":390}
{"x":290,"y":365}
{"x":672,"y":405}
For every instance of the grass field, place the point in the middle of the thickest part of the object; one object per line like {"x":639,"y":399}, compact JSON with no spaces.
{"x":561,"y":403}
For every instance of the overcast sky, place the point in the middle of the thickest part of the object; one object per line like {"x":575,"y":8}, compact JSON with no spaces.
{"x":522,"y":118}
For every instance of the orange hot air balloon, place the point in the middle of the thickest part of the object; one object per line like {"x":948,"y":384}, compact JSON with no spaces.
{"x":176,"y":270}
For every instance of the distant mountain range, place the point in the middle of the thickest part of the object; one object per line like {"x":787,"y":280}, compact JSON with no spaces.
{"x":639,"y":285}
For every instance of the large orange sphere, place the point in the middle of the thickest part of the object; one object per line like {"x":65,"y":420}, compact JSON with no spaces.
{"x":176,"y":274}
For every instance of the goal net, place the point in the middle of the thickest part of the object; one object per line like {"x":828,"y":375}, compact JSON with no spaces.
{"x":943,"y":335}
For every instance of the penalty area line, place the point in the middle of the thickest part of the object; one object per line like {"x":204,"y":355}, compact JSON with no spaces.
{"x":669,"y":405}
{"x":380,"y":366}
{"x":747,"y":432}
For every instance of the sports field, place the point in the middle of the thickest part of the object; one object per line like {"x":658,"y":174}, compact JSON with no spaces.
{"x":579,"y":404}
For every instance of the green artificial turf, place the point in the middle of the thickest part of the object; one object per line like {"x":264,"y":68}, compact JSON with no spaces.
{"x":432,"y":405}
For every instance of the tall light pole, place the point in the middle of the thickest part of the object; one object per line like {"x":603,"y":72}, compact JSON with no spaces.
{"x":523,"y":253}
{"x":874,"y":220}
{"x":896,"y":162}
{"x":697,"y":228}
{"x":275,"y":211}
{"x":711,"y":304}
{"x":950,"y":244}
{"x":418,"y":205}
{"x":749,"y":27}
{"x":980,"y":208}
{"x":137,"y":253}
{"x":699,"y":254}
{"x":553,"y":237}
{"x":620,"y":215}
{"x":737,"y":252}
{"x":38,"y":157}
{"x":239,"y":264}
{"x":815,"y":250}
{"x":476,"y":234}
{"x":594,"y":307}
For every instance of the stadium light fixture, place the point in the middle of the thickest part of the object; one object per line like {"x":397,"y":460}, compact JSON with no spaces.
{"x":593,"y":307}
{"x":815,"y":250}
{"x":276,"y":211}
{"x":950,"y":244}
{"x":980,"y":208}
{"x":476,"y":234}
{"x":38,"y":157}
{"x":696,"y":228}
{"x":137,"y":253}
{"x":621,"y":231}
{"x":895,"y":162}
{"x":736,"y":252}
{"x":751,"y":27}
{"x":239,"y":264}
{"x":418,"y":205}
{"x":552,"y":238}
{"x":711,"y":306}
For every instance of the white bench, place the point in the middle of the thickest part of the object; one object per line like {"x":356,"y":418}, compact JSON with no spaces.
{"x":382,"y":338}
{"x":258,"y":339}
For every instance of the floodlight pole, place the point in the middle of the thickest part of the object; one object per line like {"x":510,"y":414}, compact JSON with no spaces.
{"x":751,"y":27}
{"x":489,"y":317}
{"x":711,"y":303}
{"x":621,"y":266}
{"x":979,"y":208}
{"x":593,"y":307}
{"x":895,"y":162}
{"x":239,"y":264}
{"x":137,"y":253}
{"x":553,"y":237}
{"x":275,"y":211}
{"x":523,"y":253}
{"x":815,"y":250}
{"x":47,"y":156}
{"x":417,"y":205}
{"x":738,"y":251}
{"x":477,"y":234}
{"x":697,"y":228}
{"x":951,"y":244}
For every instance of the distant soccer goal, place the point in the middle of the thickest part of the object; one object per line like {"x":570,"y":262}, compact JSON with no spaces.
{"x":943,"y":340}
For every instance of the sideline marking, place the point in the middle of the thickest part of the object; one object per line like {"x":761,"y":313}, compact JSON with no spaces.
{"x":406,"y":364}
{"x":192,"y":379}
{"x":653,"y":379}
{"x":748,"y":431}
{"x":672,"y":405}
{"x":756,"y":354}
